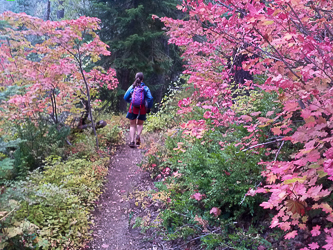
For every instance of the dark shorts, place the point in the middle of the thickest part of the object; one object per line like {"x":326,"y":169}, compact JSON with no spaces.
{"x":132,"y":116}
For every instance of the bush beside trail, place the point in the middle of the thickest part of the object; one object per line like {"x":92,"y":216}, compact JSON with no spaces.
{"x":50,"y":208}
{"x":203,"y":177}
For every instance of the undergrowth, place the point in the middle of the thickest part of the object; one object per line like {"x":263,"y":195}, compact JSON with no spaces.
{"x":49,"y":207}
{"x":203,"y":181}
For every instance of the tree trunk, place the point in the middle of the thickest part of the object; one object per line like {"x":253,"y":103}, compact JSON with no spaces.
{"x":48,"y":10}
{"x":61,"y":12}
{"x":161,"y":82}
{"x":124,"y":79}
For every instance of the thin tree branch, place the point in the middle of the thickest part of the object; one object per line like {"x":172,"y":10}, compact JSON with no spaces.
{"x":261,"y":144}
{"x":199,"y":237}
{"x":278,"y":152}
{"x":303,"y":27}
{"x":87,"y":94}
{"x":8,"y":214}
{"x":279,"y":54}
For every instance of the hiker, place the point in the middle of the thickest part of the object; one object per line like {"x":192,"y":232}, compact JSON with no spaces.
{"x":141,"y":101}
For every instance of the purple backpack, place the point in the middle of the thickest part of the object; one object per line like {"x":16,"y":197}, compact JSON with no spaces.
{"x":138,"y":97}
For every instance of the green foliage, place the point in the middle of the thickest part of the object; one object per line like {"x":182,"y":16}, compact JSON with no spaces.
{"x":49,"y":208}
{"x":197,"y":175}
{"x":233,"y":237}
{"x":166,"y":117}
{"x":112,"y":134}
{"x":7,"y":163}
{"x":84,"y":144}
{"x":255,"y":100}
{"x":135,"y":38}
{"x":223,"y":176}
{"x":39,"y":140}
{"x":110,"y":99}
{"x":220,"y":177}
{"x":56,"y":201}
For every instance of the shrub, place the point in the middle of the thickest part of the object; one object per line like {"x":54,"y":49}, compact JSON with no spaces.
{"x":56,"y":202}
{"x":208,"y":174}
{"x":166,"y":117}
{"x":39,"y":140}
{"x":111,"y":134}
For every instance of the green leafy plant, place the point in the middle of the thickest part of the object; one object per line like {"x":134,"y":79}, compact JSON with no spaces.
{"x":56,"y":201}
{"x":166,"y":117}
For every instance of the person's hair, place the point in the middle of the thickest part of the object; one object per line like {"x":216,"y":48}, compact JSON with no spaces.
{"x":138,"y":79}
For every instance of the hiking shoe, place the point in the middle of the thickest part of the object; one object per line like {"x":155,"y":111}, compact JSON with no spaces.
{"x":138,"y":140}
{"x":132,"y":145}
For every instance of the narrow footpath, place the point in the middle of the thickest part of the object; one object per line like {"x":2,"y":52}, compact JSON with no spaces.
{"x":112,"y":228}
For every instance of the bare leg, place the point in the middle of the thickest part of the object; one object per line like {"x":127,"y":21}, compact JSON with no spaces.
{"x":132,"y":129}
{"x":140,"y":127}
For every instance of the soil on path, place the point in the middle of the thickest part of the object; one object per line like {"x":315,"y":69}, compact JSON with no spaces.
{"x":111,"y":216}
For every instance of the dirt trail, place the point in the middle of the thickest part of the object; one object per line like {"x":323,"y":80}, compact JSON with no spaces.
{"x":111,"y":230}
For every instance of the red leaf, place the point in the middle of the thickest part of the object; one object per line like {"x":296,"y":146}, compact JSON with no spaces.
{"x":315,"y":231}
{"x":255,"y":113}
{"x":276,"y":131}
{"x":197,"y":196}
{"x":291,"y":106}
{"x":216,"y":211}
{"x":290,"y":235}
{"x":314,"y":245}
{"x":246,"y":118}
{"x":295,"y":206}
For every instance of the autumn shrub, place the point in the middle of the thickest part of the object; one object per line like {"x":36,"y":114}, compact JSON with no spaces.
{"x":207,"y":184}
{"x":289,"y":42}
{"x":84,"y":145}
{"x":56,"y":201}
{"x":49,"y":180}
{"x":208,"y":172}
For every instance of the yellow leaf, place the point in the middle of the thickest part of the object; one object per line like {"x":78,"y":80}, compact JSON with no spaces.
{"x":13,"y":231}
{"x":262,"y":126}
{"x":268,"y":22}
{"x":314,"y":165}
{"x":305,"y":219}
{"x":321,"y":173}
{"x":300,"y":180}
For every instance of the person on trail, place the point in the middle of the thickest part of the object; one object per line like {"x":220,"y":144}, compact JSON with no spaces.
{"x":141,"y":101}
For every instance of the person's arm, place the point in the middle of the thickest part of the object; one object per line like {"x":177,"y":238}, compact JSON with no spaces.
{"x":149,"y":98}
{"x":128,"y":95}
